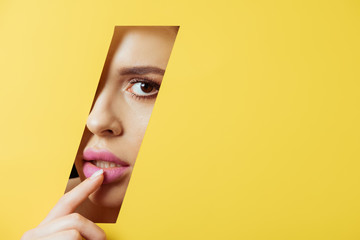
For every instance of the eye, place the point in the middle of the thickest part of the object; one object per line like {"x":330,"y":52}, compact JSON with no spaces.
{"x":143,"y":88}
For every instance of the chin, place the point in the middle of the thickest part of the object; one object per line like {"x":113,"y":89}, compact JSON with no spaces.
{"x":109,"y":195}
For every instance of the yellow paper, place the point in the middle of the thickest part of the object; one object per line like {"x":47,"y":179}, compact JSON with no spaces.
{"x":255,"y":131}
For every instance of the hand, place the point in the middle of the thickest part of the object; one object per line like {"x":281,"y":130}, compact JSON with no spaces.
{"x":63,"y":223}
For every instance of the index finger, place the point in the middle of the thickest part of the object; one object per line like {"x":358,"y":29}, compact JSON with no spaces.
{"x":72,"y":199}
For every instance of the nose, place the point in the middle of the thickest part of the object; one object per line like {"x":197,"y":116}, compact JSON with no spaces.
{"x":102,"y":120}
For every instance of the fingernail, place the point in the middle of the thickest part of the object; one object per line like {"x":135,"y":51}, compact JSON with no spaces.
{"x":97,"y":173}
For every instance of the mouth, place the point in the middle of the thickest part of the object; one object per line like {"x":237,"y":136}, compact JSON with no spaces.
{"x":105,"y":164}
{"x":114,"y":168}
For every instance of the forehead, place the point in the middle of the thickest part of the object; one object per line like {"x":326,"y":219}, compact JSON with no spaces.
{"x":145,"y":46}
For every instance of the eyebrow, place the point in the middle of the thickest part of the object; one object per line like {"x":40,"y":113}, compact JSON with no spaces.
{"x":141,"y":70}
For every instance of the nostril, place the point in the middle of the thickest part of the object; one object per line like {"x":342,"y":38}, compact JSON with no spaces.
{"x":110,"y":131}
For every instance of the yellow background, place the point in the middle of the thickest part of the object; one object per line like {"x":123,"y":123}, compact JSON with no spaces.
{"x":255,"y":133}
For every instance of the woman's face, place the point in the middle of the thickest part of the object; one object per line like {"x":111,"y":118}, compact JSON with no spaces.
{"x":119,"y":117}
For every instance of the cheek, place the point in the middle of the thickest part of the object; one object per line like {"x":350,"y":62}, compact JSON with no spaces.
{"x":137,"y":115}
{"x":137,"y":123}
{"x":138,"y":129}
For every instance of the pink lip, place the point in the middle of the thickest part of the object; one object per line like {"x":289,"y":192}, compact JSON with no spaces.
{"x":110,"y":174}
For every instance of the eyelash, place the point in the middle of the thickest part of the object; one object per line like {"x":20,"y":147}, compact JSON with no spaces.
{"x":152,"y":83}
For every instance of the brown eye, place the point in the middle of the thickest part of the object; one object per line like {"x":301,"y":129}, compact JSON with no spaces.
{"x":146,"y":88}
{"x":143,"y":89}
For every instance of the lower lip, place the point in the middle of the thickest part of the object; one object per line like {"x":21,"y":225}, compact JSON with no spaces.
{"x":110,"y":174}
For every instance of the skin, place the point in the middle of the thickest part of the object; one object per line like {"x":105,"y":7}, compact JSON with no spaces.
{"x":63,"y":223}
{"x":117,"y":123}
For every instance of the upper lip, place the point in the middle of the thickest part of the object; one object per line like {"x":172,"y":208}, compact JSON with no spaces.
{"x":103,"y":155}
